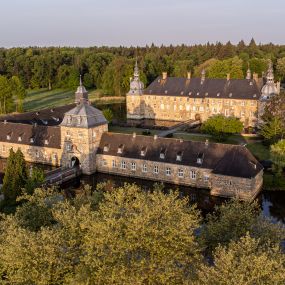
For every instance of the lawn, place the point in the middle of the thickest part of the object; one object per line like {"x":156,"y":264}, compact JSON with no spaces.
{"x":260,"y":151}
{"x":43,"y":98}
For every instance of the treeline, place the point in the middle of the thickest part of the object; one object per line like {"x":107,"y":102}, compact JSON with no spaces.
{"x":110,"y":68}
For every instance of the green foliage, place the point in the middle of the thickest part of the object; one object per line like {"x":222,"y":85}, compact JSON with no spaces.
{"x":19,"y":93}
{"x":6,"y":96}
{"x":88,"y":80}
{"x":15,"y":177}
{"x":220,"y":127}
{"x":280,"y":68}
{"x":35,"y":179}
{"x":245,"y":262}
{"x":108,"y":114}
{"x":277,"y":152}
{"x":272,"y":130}
{"x":232,"y":220}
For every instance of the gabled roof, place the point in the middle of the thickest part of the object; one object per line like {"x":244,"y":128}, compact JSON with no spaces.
{"x":218,"y":157}
{"x":210,"y":88}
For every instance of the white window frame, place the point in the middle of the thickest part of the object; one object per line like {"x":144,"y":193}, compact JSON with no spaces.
{"x":206,"y":177}
{"x":193,"y":174}
{"x":133,"y":166}
{"x":123,"y":165}
{"x":114,"y":163}
{"x":168,"y":171}
{"x":181,"y":173}
{"x":155,"y":169}
{"x":144,"y":168}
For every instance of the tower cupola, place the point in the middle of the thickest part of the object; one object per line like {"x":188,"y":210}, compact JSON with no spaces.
{"x":81,"y":94}
{"x":136,"y":86}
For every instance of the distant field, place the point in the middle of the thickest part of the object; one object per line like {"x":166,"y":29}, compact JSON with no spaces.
{"x":43,"y":98}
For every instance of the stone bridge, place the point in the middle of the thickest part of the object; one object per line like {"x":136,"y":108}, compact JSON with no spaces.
{"x":177,"y":127}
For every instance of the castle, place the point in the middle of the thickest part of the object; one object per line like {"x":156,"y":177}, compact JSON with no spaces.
{"x":77,"y":134}
{"x":183,"y":99}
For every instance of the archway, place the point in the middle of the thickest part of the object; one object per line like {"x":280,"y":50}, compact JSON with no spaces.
{"x":74,"y":162}
{"x":197,"y":117}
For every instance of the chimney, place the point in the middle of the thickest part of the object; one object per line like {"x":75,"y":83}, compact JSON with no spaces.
{"x":164,"y":75}
{"x":155,"y":137}
{"x":188,"y":75}
{"x":255,"y":76}
{"x":228,"y":76}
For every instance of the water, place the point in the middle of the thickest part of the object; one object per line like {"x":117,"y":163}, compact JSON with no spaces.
{"x":271,"y":203}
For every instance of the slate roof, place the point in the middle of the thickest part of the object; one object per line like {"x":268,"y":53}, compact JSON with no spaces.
{"x":88,"y":115}
{"x":45,"y":117}
{"x":40,"y":134}
{"x":224,"y":159}
{"x":244,"y":89}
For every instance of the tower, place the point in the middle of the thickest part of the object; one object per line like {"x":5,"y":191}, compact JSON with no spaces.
{"x":81,"y":131}
{"x":248,"y":73}
{"x":135,"y":108}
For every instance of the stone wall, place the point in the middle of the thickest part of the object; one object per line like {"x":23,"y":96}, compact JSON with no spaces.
{"x":175,"y":108}
{"x":81,"y":143}
{"x":45,"y":155}
{"x":219,"y":185}
{"x":241,"y":188}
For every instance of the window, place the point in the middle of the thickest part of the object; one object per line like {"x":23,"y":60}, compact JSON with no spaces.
{"x":206,"y":177}
{"x":54,"y":156}
{"x":80,"y":135}
{"x":179,"y":156}
{"x":133,"y":166}
{"x":69,"y":120}
{"x":106,"y":148}
{"x":180,"y":173}
{"x":93,"y":134}
{"x":155,"y":169}
{"x":162,"y":106}
{"x":3,"y":148}
{"x":79,"y":120}
{"x":242,"y":114}
{"x":120,"y":149}
{"x":104,"y":162}
{"x":144,"y":168}
{"x":32,"y":140}
{"x":113,"y":163}
{"x":187,"y":107}
{"x":37,"y":154}
{"x":8,"y":137}
{"x":243,"y":103}
{"x":46,"y":142}
{"x":123,"y":165}
{"x":67,"y":134}
{"x":168,"y":171}
{"x":193,"y":174}
{"x":19,"y":139}
{"x":143,"y":151}
{"x":200,"y":158}
{"x":162,"y":154}
{"x":69,"y":147}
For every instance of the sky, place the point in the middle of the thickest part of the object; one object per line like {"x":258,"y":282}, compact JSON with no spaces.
{"x":139,"y":22}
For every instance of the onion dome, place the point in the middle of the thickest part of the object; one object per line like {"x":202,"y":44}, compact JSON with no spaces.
{"x":269,"y":89}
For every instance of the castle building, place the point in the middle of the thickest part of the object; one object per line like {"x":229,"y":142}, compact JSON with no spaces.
{"x":183,"y":99}
{"x":77,"y":134}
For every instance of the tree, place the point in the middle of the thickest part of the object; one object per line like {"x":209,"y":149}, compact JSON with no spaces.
{"x":220,"y":127}
{"x":108,"y":114}
{"x":245,"y":262}
{"x":19,"y":93}
{"x":272,"y":130}
{"x":277,"y":153}
{"x":233,"y":219}
{"x":15,"y":177}
{"x":280,"y":68}
{"x":88,"y":80}
{"x":6,"y":96}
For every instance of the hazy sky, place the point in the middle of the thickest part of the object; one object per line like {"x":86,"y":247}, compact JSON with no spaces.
{"x":139,"y":22}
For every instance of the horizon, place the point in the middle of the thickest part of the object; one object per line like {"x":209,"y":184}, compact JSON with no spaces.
{"x":113,"y":23}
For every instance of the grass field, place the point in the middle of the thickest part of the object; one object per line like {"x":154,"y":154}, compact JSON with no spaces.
{"x":260,"y":151}
{"x":43,"y":98}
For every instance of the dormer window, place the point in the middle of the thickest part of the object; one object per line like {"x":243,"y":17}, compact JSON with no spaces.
{"x":218,"y":94}
{"x":69,"y":120}
{"x":162,"y":154}
{"x":179,"y":156}
{"x":32,"y":140}
{"x":120,"y":148}
{"x":19,"y":138}
{"x":46,"y":142}
{"x":106,"y":148}
{"x":143,"y":151}
{"x":8,"y":137}
{"x":79,"y":120}
{"x":200,"y":158}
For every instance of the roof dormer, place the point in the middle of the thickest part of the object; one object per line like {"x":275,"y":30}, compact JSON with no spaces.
{"x":162,"y":153}
{"x":179,"y":156}
{"x":120,"y":149}
{"x":200,"y":158}
{"x":143,"y":151}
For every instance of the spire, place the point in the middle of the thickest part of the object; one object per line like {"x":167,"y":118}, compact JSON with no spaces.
{"x":80,"y":80}
{"x":248,"y":73}
{"x":81,"y":94}
{"x":270,"y":74}
{"x":136,"y":70}
{"x":203,"y":76}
